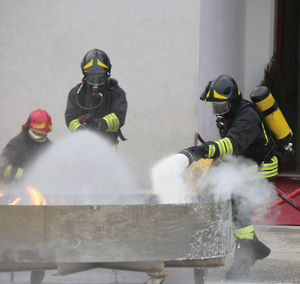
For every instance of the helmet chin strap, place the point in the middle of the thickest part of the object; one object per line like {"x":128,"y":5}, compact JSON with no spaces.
{"x":37,"y":137}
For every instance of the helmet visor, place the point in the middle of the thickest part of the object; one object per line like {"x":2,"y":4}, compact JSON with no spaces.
{"x":220,"y":108}
{"x":96,"y":79}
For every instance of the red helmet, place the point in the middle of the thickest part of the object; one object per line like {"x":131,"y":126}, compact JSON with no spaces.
{"x":39,"y":120}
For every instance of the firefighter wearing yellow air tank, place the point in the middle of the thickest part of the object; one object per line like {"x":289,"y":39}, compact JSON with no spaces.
{"x":243,"y":134}
{"x":98,"y":102}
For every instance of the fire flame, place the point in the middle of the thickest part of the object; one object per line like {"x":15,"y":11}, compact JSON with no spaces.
{"x":16,"y":201}
{"x":36,"y":197}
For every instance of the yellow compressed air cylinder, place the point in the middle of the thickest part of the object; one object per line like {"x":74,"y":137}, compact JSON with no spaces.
{"x":273,"y":116}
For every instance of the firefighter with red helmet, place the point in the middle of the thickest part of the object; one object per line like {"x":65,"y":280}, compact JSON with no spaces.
{"x":242,"y":133}
{"x":20,"y":152}
{"x":98,"y":102}
{"x":21,"y":149}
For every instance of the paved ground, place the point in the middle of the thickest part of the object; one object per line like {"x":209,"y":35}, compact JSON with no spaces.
{"x":282,"y":266}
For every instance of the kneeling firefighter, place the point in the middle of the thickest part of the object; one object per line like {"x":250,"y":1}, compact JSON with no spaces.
{"x":20,"y":152}
{"x":98,"y":102}
{"x":27,"y":145}
{"x":242,"y":133}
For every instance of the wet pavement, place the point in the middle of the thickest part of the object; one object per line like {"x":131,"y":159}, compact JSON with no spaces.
{"x":282,"y":266}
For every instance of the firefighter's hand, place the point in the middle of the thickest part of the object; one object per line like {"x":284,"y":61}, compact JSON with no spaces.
{"x":87,"y":121}
{"x":86,"y":118}
{"x":101,"y":124}
{"x":197,"y":152}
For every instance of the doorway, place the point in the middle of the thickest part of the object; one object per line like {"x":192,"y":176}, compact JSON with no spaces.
{"x":287,"y":52}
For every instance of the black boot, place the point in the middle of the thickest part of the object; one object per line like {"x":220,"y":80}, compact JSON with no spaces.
{"x":247,"y":252}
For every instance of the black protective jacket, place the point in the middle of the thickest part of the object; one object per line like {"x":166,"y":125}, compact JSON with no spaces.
{"x":20,"y":151}
{"x":81,"y":101}
{"x":248,"y":135}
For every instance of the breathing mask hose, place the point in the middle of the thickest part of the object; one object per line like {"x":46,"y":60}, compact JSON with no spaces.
{"x":95,"y":90}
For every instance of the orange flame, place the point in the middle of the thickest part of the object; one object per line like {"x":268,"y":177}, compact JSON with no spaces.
{"x":36,"y":197}
{"x":1,"y":194}
{"x":16,"y":201}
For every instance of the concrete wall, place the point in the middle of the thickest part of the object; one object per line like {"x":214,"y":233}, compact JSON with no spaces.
{"x":153,"y":47}
{"x":236,"y":37}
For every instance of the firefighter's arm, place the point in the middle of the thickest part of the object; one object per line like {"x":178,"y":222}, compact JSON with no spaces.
{"x":245,"y":131}
{"x":11,"y":173}
{"x":3,"y":165}
{"x":211,"y":150}
{"x":72,"y":114}
{"x":8,"y":171}
{"x":113,"y":121}
{"x":241,"y":134}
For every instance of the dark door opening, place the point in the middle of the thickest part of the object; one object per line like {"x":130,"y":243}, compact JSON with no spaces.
{"x":287,"y":54}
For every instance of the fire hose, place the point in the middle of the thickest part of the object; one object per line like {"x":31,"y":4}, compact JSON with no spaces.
{"x":284,"y":198}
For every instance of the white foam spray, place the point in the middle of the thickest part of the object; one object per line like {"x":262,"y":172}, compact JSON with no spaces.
{"x":231,"y":176}
{"x":168,"y":181}
{"x":82,"y":168}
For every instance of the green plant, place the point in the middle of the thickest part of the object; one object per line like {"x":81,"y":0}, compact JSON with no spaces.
{"x":273,"y":80}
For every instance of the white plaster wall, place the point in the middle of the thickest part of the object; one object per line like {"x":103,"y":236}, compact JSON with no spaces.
{"x":153,"y":47}
{"x":221,"y":51}
{"x":236,"y":37}
{"x":259,"y":44}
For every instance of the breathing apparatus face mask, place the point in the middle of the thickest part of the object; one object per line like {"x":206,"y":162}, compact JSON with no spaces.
{"x":37,"y":136}
{"x":221,"y":108}
{"x":96,"y":79}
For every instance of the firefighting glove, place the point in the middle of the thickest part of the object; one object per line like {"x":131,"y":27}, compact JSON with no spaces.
{"x":195,"y":153}
{"x":88,"y":121}
{"x":101,"y":124}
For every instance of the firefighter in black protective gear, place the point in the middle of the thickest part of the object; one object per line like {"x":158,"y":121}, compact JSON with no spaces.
{"x":23,"y":148}
{"x":242,"y":133}
{"x":20,"y":152}
{"x":97,"y":103}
